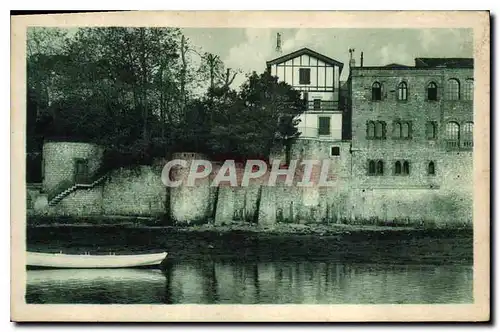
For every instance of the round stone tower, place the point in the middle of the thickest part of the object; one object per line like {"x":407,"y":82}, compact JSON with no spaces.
{"x":69,"y":163}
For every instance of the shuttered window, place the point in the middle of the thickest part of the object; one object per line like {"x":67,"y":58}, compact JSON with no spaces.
{"x":324,"y":125}
{"x":304,"y":76}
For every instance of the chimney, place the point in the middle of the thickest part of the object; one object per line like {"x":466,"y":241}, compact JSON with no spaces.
{"x":352,"y":62}
{"x":361,"y":64}
{"x":278,"y":43}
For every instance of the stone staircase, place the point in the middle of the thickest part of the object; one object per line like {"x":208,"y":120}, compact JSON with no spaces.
{"x":59,"y":197}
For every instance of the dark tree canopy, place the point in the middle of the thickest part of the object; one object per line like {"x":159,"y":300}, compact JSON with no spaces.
{"x":132,"y":90}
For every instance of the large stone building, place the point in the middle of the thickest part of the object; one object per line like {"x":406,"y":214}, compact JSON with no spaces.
{"x":412,"y":138}
{"x":409,"y":130}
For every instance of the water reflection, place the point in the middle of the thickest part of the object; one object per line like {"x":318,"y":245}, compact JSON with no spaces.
{"x":246,"y":283}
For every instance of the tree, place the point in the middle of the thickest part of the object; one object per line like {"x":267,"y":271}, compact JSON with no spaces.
{"x":98,"y":77}
{"x":124,"y":87}
{"x":250,"y":123}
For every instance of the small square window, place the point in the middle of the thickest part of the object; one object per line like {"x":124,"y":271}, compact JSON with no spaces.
{"x":335,"y":151}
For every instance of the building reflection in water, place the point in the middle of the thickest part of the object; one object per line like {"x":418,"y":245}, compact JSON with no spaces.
{"x":251,"y":282}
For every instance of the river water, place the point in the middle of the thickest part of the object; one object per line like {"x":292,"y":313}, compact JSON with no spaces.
{"x":270,"y":282}
{"x":212,"y":268}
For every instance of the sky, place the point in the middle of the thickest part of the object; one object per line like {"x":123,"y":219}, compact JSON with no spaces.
{"x":249,"y":49}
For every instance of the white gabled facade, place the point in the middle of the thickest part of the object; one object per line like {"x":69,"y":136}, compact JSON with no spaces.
{"x":318,"y":78}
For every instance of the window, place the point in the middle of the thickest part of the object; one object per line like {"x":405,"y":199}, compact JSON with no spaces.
{"x":432,"y":91}
{"x":402,"y":91}
{"x":431,"y":130}
{"x":405,"y":130}
{"x":306,"y":96}
{"x":375,"y":167}
{"x":402,"y":167}
{"x":324,"y":125}
{"x":371,"y":167}
{"x":380,"y":130}
{"x":397,"y":168}
{"x":317,"y":104}
{"x":467,"y":130}
{"x":467,"y":135}
{"x":335,"y":151}
{"x":304,"y":76}
{"x":431,"y":168}
{"x":380,"y":167}
{"x":401,"y":129}
{"x":375,"y":130}
{"x":376,"y":91}
{"x":469,"y":89}
{"x":452,"y":131}
{"x":370,"y":130}
{"x":453,"y":89}
{"x":396,"y":130}
{"x":406,"y":168}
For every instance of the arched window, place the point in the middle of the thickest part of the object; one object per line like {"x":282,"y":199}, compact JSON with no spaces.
{"x":376,"y":91}
{"x":432,"y":91}
{"x":371,"y":167}
{"x":469,"y":89}
{"x":405,"y":130}
{"x":406,"y":168}
{"x":379,"y":129}
{"x":402,"y":91}
{"x":453,"y":89}
{"x":396,"y":130}
{"x":452,"y":131}
{"x":370,"y":129}
{"x":397,"y":168}
{"x":431,"y":168}
{"x":467,"y":130}
{"x":380,"y":167}
{"x":431,"y":130}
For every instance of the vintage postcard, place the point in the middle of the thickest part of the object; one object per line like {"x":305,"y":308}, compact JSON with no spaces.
{"x":250,"y":166}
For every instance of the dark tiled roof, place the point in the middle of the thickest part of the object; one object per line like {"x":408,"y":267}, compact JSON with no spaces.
{"x":444,"y":62}
{"x":307,"y":51}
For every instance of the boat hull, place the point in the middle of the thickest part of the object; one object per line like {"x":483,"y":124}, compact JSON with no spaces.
{"x":46,"y":260}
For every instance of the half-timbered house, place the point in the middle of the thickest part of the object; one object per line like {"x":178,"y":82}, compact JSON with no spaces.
{"x":317,"y":77}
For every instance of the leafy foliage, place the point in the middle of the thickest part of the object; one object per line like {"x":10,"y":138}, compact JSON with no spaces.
{"x":133,"y":90}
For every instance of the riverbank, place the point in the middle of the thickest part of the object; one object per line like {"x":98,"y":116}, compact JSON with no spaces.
{"x":278,"y":228}
{"x":246,"y":242}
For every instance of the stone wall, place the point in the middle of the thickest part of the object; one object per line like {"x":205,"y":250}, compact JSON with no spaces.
{"x":59,"y":161}
{"x":442,"y":198}
{"x":83,"y":202}
{"x":135,"y":191}
{"x":190,"y":204}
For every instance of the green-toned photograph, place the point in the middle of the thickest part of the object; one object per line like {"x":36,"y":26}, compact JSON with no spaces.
{"x":174,"y":165}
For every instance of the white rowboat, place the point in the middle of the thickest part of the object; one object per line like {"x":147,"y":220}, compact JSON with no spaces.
{"x":38,"y":259}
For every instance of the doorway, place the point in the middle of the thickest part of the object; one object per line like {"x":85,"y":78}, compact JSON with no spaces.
{"x":81,"y":171}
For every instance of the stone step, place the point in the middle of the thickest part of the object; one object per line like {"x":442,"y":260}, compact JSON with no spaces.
{"x":68,"y":191}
